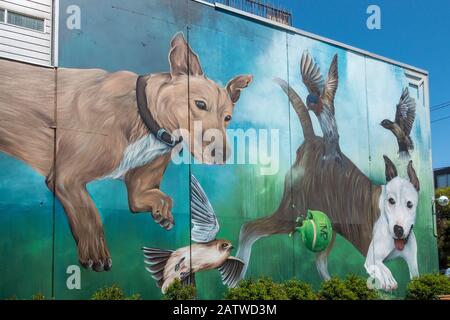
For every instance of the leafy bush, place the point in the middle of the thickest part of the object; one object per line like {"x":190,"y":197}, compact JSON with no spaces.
{"x":298,"y":290}
{"x":261,"y":289}
{"x":38,"y":296}
{"x":177,"y":291}
{"x":358,"y":285}
{"x":427,"y":287}
{"x":336,"y":289}
{"x":352,"y":288}
{"x":443,"y":228}
{"x":113,"y":293}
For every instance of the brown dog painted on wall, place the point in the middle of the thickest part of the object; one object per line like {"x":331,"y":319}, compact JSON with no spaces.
{"x":377,"y":219}
{"x":104,"y":129}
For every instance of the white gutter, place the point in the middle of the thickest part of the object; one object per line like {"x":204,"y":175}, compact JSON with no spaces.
{"x":219,"y":6}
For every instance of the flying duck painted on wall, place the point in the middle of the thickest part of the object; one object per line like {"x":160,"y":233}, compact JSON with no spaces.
{"x":320,"y":100}
{"x":401,"y":127}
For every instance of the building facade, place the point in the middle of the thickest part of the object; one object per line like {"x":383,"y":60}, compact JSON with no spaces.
{"x":442,"y":177}
{"x":26,"y":31}
{"x":79,"y":159}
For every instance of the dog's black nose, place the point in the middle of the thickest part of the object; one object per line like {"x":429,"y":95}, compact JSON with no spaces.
{"x":398,"y":231}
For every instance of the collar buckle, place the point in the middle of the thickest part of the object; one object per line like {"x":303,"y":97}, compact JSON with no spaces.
{"x":171,"y":142}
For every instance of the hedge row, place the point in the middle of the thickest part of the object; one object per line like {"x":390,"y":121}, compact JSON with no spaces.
{"x":425,"y":287}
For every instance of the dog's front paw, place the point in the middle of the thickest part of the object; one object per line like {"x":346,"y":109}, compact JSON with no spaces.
{"x":384,"y":278}
{"x":388,"y":283}
{"x":93,"y":252}
{"x":161,"y":209}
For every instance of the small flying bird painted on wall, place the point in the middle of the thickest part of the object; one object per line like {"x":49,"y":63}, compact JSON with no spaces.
{"x":207,"y":253}
{"x":320,"y":100}
{"x":404,"y":120}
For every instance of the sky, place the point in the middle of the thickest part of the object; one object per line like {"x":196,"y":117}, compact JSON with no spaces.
{"x":415,"y":32}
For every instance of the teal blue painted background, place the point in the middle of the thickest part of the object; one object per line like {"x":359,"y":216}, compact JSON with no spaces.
{"x":135,"y":35}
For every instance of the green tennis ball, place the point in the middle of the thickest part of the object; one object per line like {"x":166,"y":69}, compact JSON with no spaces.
{"x":316,"y":231}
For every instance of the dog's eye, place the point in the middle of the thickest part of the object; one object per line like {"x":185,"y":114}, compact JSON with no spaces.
{"x":409,"y":204}
{"x":227,"y":118}
{"x":200,"y":104}
{"x":224,"y":245}
{"x":391,"y":201}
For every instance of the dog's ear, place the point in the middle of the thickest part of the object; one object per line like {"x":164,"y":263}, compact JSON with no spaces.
{"x":183,"y":61}
{"x":235,"y":85}
{"x":390,"y":169}
{"x":413,"y":176}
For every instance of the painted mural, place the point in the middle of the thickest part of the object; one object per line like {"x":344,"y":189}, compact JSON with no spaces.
{"x":202,"y":118}
{"x":377,"y":220}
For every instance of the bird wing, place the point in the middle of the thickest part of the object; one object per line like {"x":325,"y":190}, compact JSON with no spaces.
{"x":204,"y":221}
{"x":231,"y":271}
{"x":406,"y":112}
{"x":311,"y":76}
{"x":156,"y":260}
{"x":331,"y":84}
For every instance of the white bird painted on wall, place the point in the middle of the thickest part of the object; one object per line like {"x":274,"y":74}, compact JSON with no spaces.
{"x":207,"y":253}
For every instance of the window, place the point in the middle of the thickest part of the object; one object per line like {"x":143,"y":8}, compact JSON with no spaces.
{"x":442,"y":180}
{"x":21,"y":20}
{"x":416,"y":87}
{"x":26,"y":32}
{"x":414,"y":91}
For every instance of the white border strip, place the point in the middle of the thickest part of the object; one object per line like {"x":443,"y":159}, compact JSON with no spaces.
{"x":55,"y":34}
{"x":205,"y":3}
{"x":313,"y":36}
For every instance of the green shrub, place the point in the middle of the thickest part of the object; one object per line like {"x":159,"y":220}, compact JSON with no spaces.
{"x":427,"y":287}
{"x":38,"y":296}
{"x":261,"y":289}
{"x":336,"y":289}
{"x":352,"y":288}
{"x":177,"y":291}
{"x":113,"y":293}
{"x":298,"y":290}
{"x":358,"y":285}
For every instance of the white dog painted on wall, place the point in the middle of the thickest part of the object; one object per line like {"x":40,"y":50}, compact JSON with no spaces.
{"x":393,"y":234}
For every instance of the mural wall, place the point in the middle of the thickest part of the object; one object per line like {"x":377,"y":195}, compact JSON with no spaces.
{"x":114,"y":161}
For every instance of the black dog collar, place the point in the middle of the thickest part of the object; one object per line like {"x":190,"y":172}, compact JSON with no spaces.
{"x":409,"y":233}
{"x":160,"y":133}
